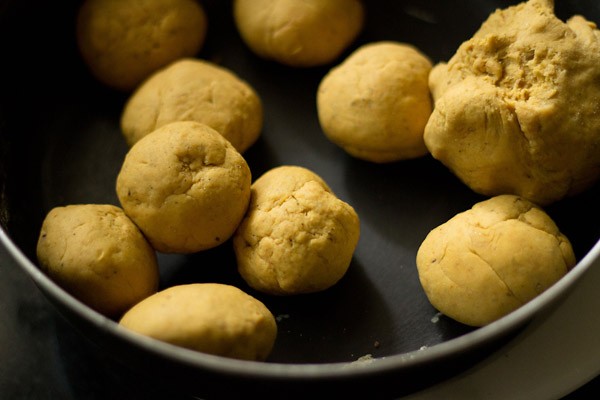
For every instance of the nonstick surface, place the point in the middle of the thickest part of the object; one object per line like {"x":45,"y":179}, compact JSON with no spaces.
{"x":61,"y":144}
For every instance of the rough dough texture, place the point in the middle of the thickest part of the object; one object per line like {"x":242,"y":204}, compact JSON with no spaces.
{"x":488,"y":261}
{"x":297,"y":236}
{"x":517,"y":108}
{"x":123,"y":42}
{"x":195,"y":90}
{"x":96,"y":253}
{"x":185,"y":186}
{"x":208,"y":317}
{"x":376,"y":103}
{"x":299,"y":33}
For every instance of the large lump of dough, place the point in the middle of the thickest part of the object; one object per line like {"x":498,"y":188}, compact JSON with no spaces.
{"x":517,"y":108}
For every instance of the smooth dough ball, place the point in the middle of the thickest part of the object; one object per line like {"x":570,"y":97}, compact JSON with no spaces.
{"x":297,"y":236}
{"x":195,"y":90}
{"x":207,"y":317}
{"x":516,"y":108}
{"x":490,"y":260}
{"x":185,"y":186}
{"x":375,"y":105}
{"x":123,"y":42}
{"x":299,"y":33}
{"x":97,"y":254}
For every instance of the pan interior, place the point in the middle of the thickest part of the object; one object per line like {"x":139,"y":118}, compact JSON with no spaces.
{"x":61,"y":144}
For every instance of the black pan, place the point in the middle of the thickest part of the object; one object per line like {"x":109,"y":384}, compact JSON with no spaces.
{"x":61,"y":144}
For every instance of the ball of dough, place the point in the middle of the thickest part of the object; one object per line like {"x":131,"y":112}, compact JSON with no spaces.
{"x":208,"y":317}
{"x":195,"y":90}
{"x":376,"y":103}
{"x":123,"y":42}
{"x":488,"y":261}
{"x":297,"y":236}
{"x":516,"y":108}
{"x":299,"y":33}
{"x":185,"y":186}
{"x":96,"y":253}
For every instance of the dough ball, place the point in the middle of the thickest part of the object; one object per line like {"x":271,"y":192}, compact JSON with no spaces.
{"x":195,"y":90}
{"x":376,"y":103}
{"x":299,"y":33}
{"x":185,"y":186}
{"x":207,"y":317}
{"x":490,"y":260}
{"x":297,"y":236}
{"x":516,"y":108}
{"x":123,"y":42}
{"x":96,"y":253}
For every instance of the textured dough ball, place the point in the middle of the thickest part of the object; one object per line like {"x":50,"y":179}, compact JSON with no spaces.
{"x":185,"y":186}
{"x":96,"y":253}
{"x":297,"y":236}
{"x":195,"y":90}
{"x":516,"y":108}
{"x":490,"y":260}
{"x":208,"y":317}
{"x":123,"y":42}
{"x":299,"y":33}
{"x":375,"y":105}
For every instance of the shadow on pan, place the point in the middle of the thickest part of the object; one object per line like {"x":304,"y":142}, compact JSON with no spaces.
{"x":61,"y":144}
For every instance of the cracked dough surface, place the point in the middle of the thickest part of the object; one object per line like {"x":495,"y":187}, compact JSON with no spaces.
{"x":123,"y":42}
{"x":97,"y":254}
{"x":376,"y":103}
{"x":195,"y":90}
{"x":299,"y":33}
{"x":488,"y":261}
{"x":208,"y":317}
{"x":517,"y":108}
{"x":297,"y":236}
{"x":185,"y":186}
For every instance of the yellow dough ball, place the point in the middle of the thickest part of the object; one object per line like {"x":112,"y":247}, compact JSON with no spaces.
{"x":488,"y":261}
{"x":185,"y":186}
{"x":516,"y":108}
{"x":299,"y":33}
{"x":195,"y":90}
{"x":96,"y":253}
{"x":123,"y":42}
{"x":207,"y":317}
{"x":376,"y":103}
{"x":297,"y":236}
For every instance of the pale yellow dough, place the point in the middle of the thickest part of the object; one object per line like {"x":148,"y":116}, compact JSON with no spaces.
{"x":299,"y":33}
{"x":195,"y":90}
{"x":297,"y":236}
{"x":207,"y":317}
{"x":376,"y":103}
{"x":96,"y":253}
{"x":488,"y":261}
{"x":517,"y":107}
{"x":185,"y":186}
{"x":123,"y":42}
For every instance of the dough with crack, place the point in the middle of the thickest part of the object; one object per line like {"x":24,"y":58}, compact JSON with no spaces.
{"x":185,"y":186}
{"x":490,"y":260}
{"x":297,"y":236}
{"x":517,"y":108}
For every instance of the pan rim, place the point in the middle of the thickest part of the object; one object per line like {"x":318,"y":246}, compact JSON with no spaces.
{"x":312,"y":371}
